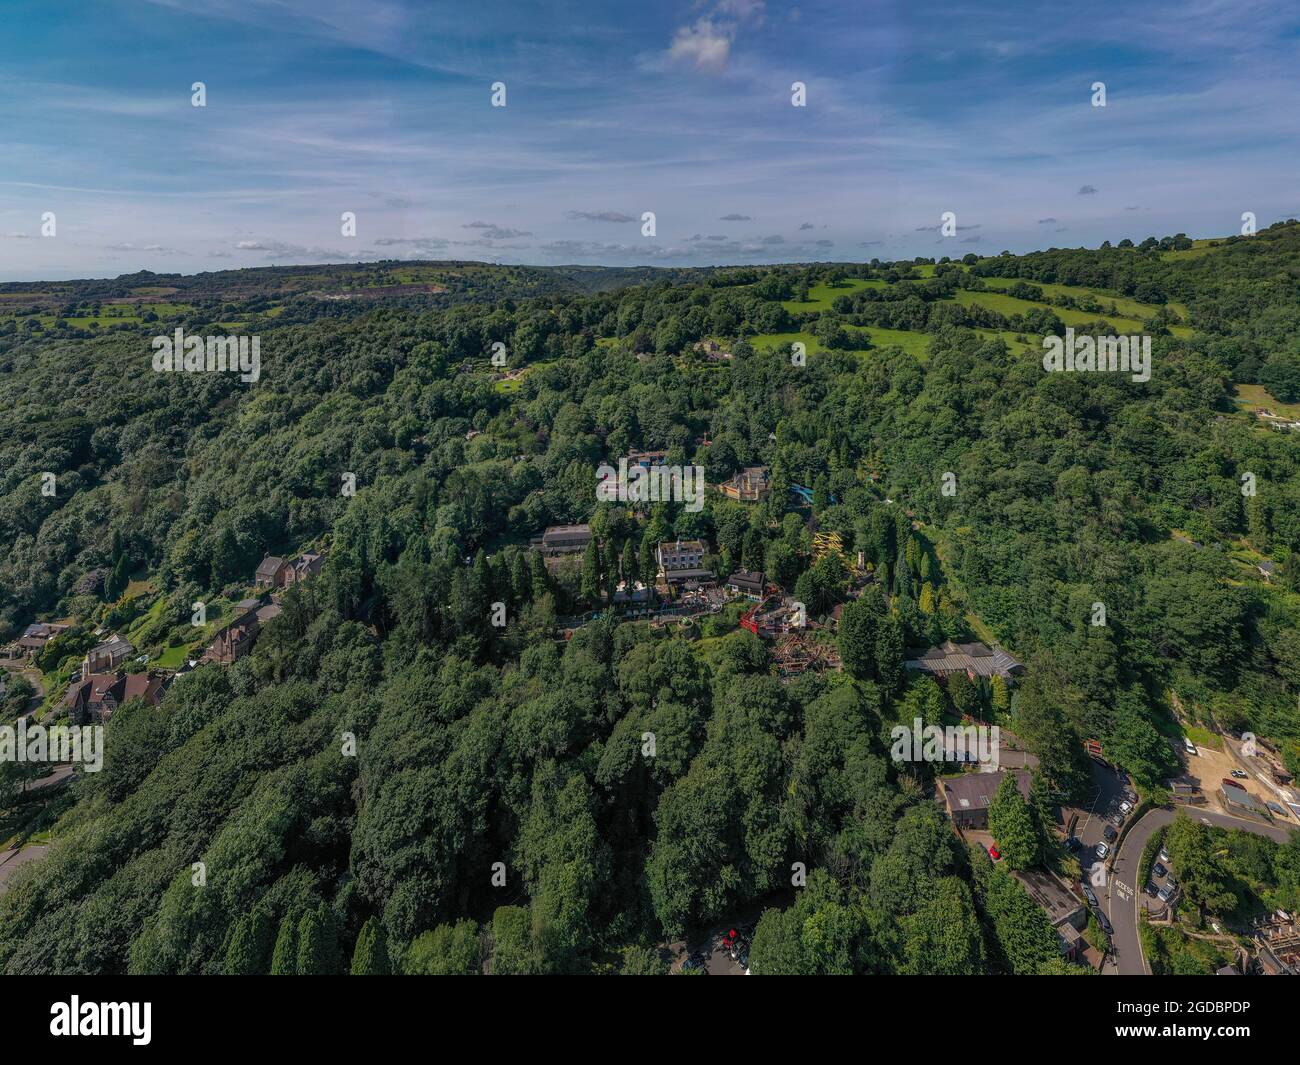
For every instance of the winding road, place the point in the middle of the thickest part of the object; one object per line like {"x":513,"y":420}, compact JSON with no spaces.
{"x":1125,"y":893}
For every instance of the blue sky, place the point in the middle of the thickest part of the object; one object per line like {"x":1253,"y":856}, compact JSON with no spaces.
{"x":382,"y":108}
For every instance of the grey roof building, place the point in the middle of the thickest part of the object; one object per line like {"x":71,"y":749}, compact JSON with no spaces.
{"x":1241,"y":802}
{"x":973,"y":659}
{"x":967,"y":797}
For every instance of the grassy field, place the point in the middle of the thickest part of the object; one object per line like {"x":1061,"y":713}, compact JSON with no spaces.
{"x":507,"y":387}
{"x":172,"y":657}
{"x":1126,"y":306}
{"x":1198,"y":248}
{"x":1009,"y":305}
{"x":110,"y":314}
{"x":784,"y":340}
{"x":1203,"y":737}
{"x":152,"y":290}
{"x":1256,"y":397}
{"x":820,"y":297}
{"x":1013,"y":341}
{"x":912,"y":342}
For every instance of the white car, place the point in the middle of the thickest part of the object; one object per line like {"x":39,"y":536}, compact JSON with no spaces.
{"x":1103,"y":849}
{"x":1125,"y":807}
{"x":1189,"y":745}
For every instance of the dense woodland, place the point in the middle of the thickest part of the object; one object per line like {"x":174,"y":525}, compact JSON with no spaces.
{"x":478,"y":745}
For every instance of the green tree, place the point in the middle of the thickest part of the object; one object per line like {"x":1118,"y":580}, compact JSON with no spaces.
{"x":1023,"y":939}
{"x":284,"y":958}
{"x":249,"y":950}
{"x":370,"y":956}
{"x":514,"y":951}
{"x":964,"y":694}
{"x":942,"y":937}
{"x":999,"y":695}
{"x":118,"y":579}
{"x":448,"y":950}
{"x":890,"y":670}
{"x":318,"y":946}
{"x":590,"y":586}
{"x":857,"y":639}
{"x":642,"y":961}
{"x":1012,"y":825}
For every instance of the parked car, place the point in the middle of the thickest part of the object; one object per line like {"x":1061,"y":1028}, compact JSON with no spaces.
{"x":1073,"y":845}
{"x":1159,"y":871}
{"x":994,"y":853}
{"x":1108,"y":834}
{"x":1090,"y":895}
{"x":1276,"y":809}
{"x":1103,"y":921}
{"x":1150,"y":889}
{"x":1237,"y":774}
{"x":1229,"y":783}
{"x":1165,"y":893}
{"x":1164,"y":855}
{"x":1189,"y":746}
{"x":1102,"y":849}
{"x":1170,"y":881}
{"x":1125,"y":807}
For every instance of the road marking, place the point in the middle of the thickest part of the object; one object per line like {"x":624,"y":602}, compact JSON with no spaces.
{"x":1123,"y":890}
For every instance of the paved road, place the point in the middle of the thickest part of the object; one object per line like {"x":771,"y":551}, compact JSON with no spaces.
{"x":12,"y":860}
{"x":1125,"y":893}
{"x":1110,"y":786}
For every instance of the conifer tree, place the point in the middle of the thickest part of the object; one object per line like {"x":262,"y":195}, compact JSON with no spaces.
{"x":284,"y":958}
{"x":370,"y":958}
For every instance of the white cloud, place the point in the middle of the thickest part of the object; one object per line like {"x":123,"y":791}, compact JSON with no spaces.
{"x":706,"y":44}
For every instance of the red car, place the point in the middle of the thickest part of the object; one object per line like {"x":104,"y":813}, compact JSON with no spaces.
{"x":1228,"y":782}
{"x":993,"y":853}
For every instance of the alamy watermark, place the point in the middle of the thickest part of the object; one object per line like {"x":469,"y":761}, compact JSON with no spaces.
{"x":946,"y":743}
{"x":1126,"y":354}
{"x":195,"y":354}
{"x":651,"y":484}
{"x":53,"y":743}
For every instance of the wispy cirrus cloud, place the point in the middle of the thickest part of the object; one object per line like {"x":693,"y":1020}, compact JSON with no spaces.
{"x":389,"y":118}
